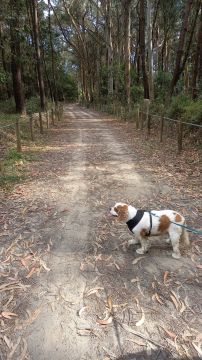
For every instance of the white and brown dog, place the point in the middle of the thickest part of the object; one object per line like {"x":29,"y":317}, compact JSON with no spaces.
{"x":144,"y":224}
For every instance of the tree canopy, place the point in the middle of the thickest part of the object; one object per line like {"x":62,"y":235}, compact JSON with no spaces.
{"x":100,"y":50}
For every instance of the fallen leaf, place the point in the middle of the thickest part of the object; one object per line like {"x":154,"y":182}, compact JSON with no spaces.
{"x":117,"y":266}
{"x":82,"y":266}
{"x":24,"y":263}
{"x":134,"y":262}
{"x":175,"y":302}
{"x":157,"y":297}
{"x":183,"y":307}
{"x":64,"y":210}
{"x":84,"y":332}
{"x":8,"y":314}
{"x":43,"y":264}
{"x":170,"y":333}
{"x":104,"y":322}
{"x":82,"y":310}
{"x":197,"y":348}
{"x":33,"y":270}
{"x":109,"y":352}
{"x":134,"y":280}
{"x":141,"y":321}
{"x":94,"y":290}
{"x":8,"y":342}
{"x":109,"y":303}
{"x":165,"y":276}
{"x":138,"y":342}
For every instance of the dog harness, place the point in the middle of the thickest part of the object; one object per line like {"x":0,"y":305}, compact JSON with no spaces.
{"x":132,"y":223}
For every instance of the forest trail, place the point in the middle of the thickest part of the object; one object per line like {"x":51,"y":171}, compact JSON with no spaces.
{"x":86,"y":166}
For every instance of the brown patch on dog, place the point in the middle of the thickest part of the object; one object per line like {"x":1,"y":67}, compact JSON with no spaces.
{"x":178,"y":218}
{"x":164,"y":223}
{"x":122,"y":211}
{"x":143,"y":233}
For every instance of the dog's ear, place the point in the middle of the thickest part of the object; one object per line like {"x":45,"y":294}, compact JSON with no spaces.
{"x":122,"y":212}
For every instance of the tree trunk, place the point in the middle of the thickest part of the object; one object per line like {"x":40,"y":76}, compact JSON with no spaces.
{"x":109,"y":49}
{"x":197,"y":71}
{"x":127,"y":49}
{"x":97,"y":60}
{"x":52,"y":56}
{"x":3,"y":57}
{"x":150,"y":49}
{"x":180,"y":50}
{"x":35,"y":21}
{"x":16,"y":57}
{"x":142,"y":48}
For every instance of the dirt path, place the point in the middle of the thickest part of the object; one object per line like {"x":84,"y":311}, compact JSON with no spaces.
{"x":86,"y":166}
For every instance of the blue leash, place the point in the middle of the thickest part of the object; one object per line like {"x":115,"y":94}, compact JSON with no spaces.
{"x":199,"y":232}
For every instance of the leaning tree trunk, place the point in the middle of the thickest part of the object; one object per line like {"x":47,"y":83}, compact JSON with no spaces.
{"x":127,"y":49}
{"x":35,"y":24}
{"x":142,"y":49}
{"x":197,"y":71}
{"x":16,"y":70}
{"x":180,"y":50}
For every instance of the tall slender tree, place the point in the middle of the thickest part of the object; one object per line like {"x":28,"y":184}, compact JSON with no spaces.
{"x":35,"y":23}
{"x":16,"y":58}
{"x":142,"y":24}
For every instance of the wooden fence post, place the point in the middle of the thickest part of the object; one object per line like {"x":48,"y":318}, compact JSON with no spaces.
{"x":148,"y":124}
{"x":141,"y":120}
{"x":40,"y":122}
{"x":180,"y":134}
{"x":52,"y":116}
{"x":47,"y":119}
{"x":18,"y":137}
{"x":138,"y":117}
{"x":148,"y":119}
{"x":161,"y":128}
{"x":31,"y":127}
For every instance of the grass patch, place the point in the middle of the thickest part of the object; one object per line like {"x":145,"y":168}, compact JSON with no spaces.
{"x":14,"y":155}
{"x":6,"y":181}
{"x":14,"y":168}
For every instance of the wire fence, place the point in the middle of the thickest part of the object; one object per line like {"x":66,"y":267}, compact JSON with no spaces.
{"x":144,"y":120}
{"x":31,"y":124}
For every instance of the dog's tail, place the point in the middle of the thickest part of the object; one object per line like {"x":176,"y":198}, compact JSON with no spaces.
{"x":185,"y":236}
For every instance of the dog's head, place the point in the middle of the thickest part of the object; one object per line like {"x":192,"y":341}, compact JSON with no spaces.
{"x":120,"y":211}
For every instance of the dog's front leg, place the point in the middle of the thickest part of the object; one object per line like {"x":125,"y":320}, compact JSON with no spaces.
{"x":144,"y":247}
{"x":133,"y":241}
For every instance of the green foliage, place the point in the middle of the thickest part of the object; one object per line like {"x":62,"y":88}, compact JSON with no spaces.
{"x":7,"y":106}
{"x":33,"y":105}
{"x":137,"y":93}
{"x":6,"y":181}
{"x":161,"y":85}
{"x":193,"y":112}
{"x":2,"y":77}
{"x":67,"y":87}
{"x":183,"y":107}
{"x":13,"y":155}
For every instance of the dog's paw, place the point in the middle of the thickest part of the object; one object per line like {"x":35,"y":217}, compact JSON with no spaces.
{"x":176,"y":255}
{"x":133,"y":242}
{"x":140,"y":251}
